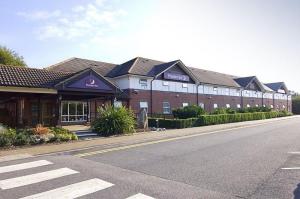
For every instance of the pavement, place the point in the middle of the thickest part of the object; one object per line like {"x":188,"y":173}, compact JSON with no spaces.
{"x":258,"y":159}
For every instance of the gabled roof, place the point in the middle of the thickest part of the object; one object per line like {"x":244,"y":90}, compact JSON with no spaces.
{"x":157,"y":69}
{"x":75,"y":64}
{"x":30,"y":77}
{"x":246,"y":81}
{"x":85,"y":71}
{"x":137,"y":66}
{"x":277,"y":85}
{"x":211,"y":77}
{"x":267,"y":88}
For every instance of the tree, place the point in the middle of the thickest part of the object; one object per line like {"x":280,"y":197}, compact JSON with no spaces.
{"x":10,"y":57}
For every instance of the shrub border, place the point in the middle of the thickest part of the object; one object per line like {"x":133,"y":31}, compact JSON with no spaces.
{"x":206,"y":120}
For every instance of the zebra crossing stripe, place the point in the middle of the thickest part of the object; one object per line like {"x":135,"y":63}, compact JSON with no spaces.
{"x":35,"y":178}
{"x":23,"y":166}
{"x":140,"y":196}
{"x":74,"y":190}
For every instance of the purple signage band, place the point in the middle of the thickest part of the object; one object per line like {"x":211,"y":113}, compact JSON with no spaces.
{"x":90,"y":81}
{"x":175,"y":76}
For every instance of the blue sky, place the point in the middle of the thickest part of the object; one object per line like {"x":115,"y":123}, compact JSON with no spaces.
{"x":240,"y":37}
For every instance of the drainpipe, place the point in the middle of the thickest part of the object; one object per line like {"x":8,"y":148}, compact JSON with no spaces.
{"x":151,"y":96}
{"x":197,"y":87}
{"x":242,"y":98}
{"x":262,"y":99}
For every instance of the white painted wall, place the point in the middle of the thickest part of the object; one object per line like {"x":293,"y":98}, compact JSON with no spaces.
{"x":133,"y":82}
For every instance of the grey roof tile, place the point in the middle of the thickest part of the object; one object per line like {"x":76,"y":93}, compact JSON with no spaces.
{"x":30,"y":77}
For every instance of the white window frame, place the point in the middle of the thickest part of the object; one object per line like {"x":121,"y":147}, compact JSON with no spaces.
{"x":85,"y":114}
{"x":184,"y":85}
{"x":166,"y":108}
{"x":143,"y":83}
{"x":143,"y":104}
{"x":184,"y":104}
{"x":202,"y":105}
{"x":165,"y":83}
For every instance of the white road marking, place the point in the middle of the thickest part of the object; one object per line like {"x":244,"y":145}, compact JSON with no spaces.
{"x":140,"y":196}
{"x":74,"y":190}
{"x":23,"y":166}
{"x":35,"y":178}
{"x":294,"y":152}
{"x":291,"y":168}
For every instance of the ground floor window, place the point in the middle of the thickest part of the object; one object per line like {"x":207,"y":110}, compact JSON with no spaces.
{"x":227,"y":105}
{"x":238,"y":106}
{"x":201,"y":105}
{"x":215,"y":105}
{"x":144,"y":105}
{"x":185,"y":104}
{"x":73,"y":111}
{"x":248,"y":106}
{"x":166,"y":108}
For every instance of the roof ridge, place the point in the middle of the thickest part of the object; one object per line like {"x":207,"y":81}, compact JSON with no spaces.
{"x":61,"y":62}
{"x":136,"y":59}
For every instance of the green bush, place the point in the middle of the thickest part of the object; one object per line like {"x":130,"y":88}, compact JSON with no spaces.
{"x":254,"y":109}
{"x":62,"y":135}
{"x":191,"y":111}
{"x":219,"y":111}
{"x":112,"y":120}
{"x":172,"y":123}
{"x":21,"y":139}
{"x":205,"y":120}
{"x":7,"y":137}
{"x":296,"y":105}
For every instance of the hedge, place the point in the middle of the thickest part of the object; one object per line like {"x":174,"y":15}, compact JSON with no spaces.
{"x":205,"y":120}
{"x":296,"y":105}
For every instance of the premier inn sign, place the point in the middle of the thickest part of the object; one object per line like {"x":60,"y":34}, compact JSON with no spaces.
{"x":176,"y":76}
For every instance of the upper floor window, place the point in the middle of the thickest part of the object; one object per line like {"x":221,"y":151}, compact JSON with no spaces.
{"x":166,"y":108}
{"x":215,"y":90}
{"x":143,"y":83}
{"x":165,"y":83}
{"x":226,"y":91}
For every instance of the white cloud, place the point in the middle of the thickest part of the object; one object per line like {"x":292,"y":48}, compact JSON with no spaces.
{"x":82,"y":21}
{"x":40,"y":15}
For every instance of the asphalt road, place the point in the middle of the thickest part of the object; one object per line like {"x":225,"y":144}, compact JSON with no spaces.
{"x":254,"y":162}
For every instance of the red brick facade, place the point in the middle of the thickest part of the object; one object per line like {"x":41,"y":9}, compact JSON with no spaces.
{"x":176,"y":100}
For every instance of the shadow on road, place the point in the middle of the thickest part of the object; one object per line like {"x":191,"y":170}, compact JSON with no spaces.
{"x":297,"y":192}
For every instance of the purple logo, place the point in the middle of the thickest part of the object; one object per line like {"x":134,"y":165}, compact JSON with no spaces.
{"x":175,"y":76}
{"x":91,"y":83}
